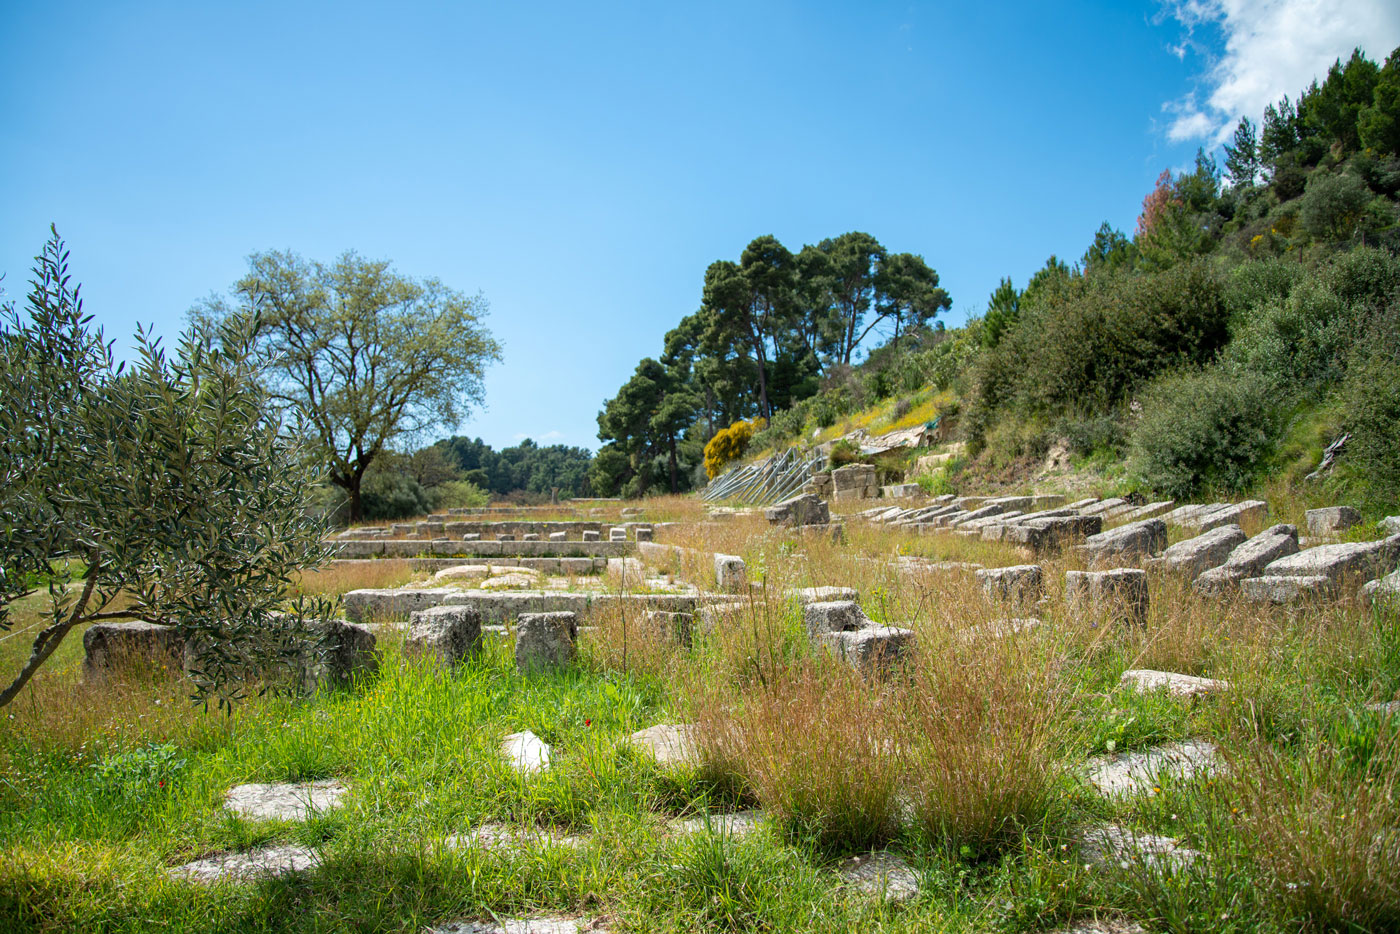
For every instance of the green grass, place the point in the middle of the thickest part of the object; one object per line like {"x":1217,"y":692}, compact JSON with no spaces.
{"x":101,"y":790}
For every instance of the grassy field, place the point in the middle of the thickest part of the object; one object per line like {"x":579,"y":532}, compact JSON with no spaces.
{"x":969,"y":761}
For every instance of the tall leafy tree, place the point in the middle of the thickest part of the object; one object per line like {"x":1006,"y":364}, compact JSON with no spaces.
{"x":752,"y":299}
{"x":907,"y":295}
{"x":850,"y":277}
{"x":1378,"y":124}
{"x":1003,"y":311}
{"x":364,"y":355}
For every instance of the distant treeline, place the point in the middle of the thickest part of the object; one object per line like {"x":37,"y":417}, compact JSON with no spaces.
{"x":524,"y":468}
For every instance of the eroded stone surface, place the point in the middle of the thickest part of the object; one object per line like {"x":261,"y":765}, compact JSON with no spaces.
{"x":267,"y":861}
{"x":449,"y":634}
{"x":1101,"y":926}
{"x":1192,"y":557}
{"x":668,"y":743}
{"x":545,"y":640}
{"x":512,"y":836}
{"x":1145,"y":679}
{"x":871,"y":651}
{"x":1249,"y":559}
{"x":880,"y":874}
{"x":833,"y":616}
{"x":1286,"y":590}
{"x":1122,"y":592}
{"x":1114,"y":845}
{"x":1130,"y":773}
{"x":285,"y":800}
{"x":737,"y":824}
{"x":463,"y":572}
{"x":1020,"y":583}
{"x":1331,"y":519}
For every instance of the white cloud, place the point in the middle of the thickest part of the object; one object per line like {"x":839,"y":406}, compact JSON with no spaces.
{"x":1272,"y":48}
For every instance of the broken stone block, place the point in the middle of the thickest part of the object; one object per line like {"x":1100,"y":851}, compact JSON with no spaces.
{"x":1390,"y":525}
{"x":1136,"y":539}
{"x":1385,"y":589}
{"x":806,"y":595}
{"x":471,"y":537}
{"x":590,"y":535}
{"x":1249,"y":559}
{"x":545,"y":640}
{"x":1194,"y":556}
{"x":807,"y":509}
{"x":110,"y":648}
{"x":526,"y":752}
{"x":291,"y":801}
{"x":730,"y":575}
{"x":530,"y":537}
{"x":1251,"y":510}
{"x":450,"y":634}
{"x":669,"y":744}
{"x":504,"y":537}
{"x":1114,"y":845}
{"x":468,"y":572}
{"x":254,"y":864}
{"x":1335,"y":562}
{"x":558,"y":536}
{"x":343,"y":651}
{"x":617,"y":535}
{"x":901,"y":490}
{"x":833,"y":616}
{"x":1145,"y":679}
{"x":1052,"y":533}
{"x":1287,"y":590}
{"x":627,"y":573}
{"x":1331,"y":519}
{"x":643,"y":533}
{"x":1022,"y":583}
{"x":1121,"y":592}
{"x":872,"y":651}
{"x":1130,"y":773}
{"x":675,"y":627}
{"x":880,"y":874}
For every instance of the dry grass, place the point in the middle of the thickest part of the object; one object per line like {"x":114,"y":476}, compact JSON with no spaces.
{"x":341,"y":577}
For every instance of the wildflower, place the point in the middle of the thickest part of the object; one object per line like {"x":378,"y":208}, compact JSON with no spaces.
{"x":161,"y":783}
{"x":588,"y":721}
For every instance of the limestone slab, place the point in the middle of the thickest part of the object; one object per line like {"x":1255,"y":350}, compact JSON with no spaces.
{"x":1115,"y":845}
{"x":285,"y":800}
{"x":880,"y":874}
{"x":526,"y":752}
{"x":1130,"y":773}
{"x":668,"y":743}
{"x":1178,"y":685}
{"x":253,"y":864}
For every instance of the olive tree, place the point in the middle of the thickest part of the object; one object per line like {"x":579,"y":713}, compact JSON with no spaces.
{"x":167,"y":490}
{"x":362,"y":354}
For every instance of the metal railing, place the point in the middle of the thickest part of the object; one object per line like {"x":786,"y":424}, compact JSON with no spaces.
{"x":770,"y":480}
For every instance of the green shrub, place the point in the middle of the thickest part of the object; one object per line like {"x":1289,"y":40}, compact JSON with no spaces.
{"x":1333,"y":205}
{"x":1210,"y":429}
{"x":1372,"y":406}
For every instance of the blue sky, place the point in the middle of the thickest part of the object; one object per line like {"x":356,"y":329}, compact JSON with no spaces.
{"x":581,"y":164}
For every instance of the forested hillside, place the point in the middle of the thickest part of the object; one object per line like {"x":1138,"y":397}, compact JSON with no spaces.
{"x":1252,"y":318}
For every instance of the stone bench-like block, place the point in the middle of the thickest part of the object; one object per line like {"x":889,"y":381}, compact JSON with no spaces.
{"x":1121,"y":592}
{"x":1021,"y":583}
{"x":1136,"y":539}
{"x":450,"y":634}
{"x":1331,"y":519}
{"x":545,"y":640}
{"x":1281,"y":590}
{"x":293,"y":801}
{"x":873,"y":651}
{"x":590,"y":535}
{"x":833,"y":616}
{"x":730,"y":573}
{"x":109,"y":648}
{"x":558,"y":536}
{"x":1195,"y":556}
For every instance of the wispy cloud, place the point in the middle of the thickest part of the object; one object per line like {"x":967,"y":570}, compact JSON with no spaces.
{"x":1272,"y":48}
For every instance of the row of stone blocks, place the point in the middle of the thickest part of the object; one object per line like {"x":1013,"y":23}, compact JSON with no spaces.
{"x":397,"y":548}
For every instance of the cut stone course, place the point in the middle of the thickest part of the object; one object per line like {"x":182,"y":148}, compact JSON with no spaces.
{"x":545,"y":640}
{"x":289,"y":801}
{"x":807,"y":509}
{"x":1283,"y":590}
{"x":1120,"y":591}
{"x":558,"y":536}
{"x":1335,"y":562}
{"x":590,"y":535}
{"x":1383,"y":589}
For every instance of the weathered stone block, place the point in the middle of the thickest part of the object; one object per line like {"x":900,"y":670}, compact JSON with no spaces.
{"x":526,"y":752}
{"x":1021,"y":583}
{"x":1050,"y":534}
{"x":833,"y":616}
{"x":617,"y":534}
{"x":1178,"y":685}
{"x":545,"y":640}
{"x":1331,"y":519}
{"x":1249,"y":559}
{"x":675,"y":627}
{"x":1120,"y":592}
{"x":1335,"y":562}
{"x":1285,"y":590}
{"x":730,"y":574}
{"x":1385,"y":589}
{"x":643,"y":533}
{"x":806,"y":509}
{"x":901,"y":490}
{"x":343,"y":652}
{"x":450,"y":634}
{"x":1192,"y":557}
{"x":806,"y":595}
{"x":109,"y":648}
{"x":1136,"y":539}
{"x":590,"y":535}
{"x":873,"y":651}
{"x":669,"y":744}
{"x":558,"y":536}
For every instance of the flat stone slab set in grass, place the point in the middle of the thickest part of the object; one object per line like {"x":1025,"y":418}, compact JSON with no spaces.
{"x":879,"y":874}
{"x":285,"y":801}
{"x":1145,"y":680}
{"x":250,"y":866}
{"x":542,"y":924}
{"x":1111,"y":845}
{"x":500,"y":548}
{"x":1124,"y":774}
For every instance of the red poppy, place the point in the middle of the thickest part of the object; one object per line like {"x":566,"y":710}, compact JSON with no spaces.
{"x":588,"y":722}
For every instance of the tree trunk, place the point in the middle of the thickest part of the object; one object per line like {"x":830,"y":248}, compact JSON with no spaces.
{"x":673,"y":464}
